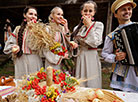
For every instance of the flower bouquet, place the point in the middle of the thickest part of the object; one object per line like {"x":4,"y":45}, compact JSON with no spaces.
{"x":38,"y":39}
{"x":58,"y":49}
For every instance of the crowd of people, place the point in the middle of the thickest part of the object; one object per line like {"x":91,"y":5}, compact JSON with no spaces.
{"x":82,"y":43}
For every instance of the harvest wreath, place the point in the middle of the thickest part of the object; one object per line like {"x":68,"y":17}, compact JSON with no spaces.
{"x":46,"y":86}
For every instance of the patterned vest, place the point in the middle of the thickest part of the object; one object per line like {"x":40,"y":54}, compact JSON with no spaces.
{"x":118,"y":68}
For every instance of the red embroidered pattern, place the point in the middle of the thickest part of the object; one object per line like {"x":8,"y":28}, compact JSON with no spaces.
{"x":89,"y":30}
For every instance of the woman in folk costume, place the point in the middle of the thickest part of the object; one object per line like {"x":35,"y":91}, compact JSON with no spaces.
{"x":25,"y":61}
{"x":89,"y":37}
{"x":58,"y":28}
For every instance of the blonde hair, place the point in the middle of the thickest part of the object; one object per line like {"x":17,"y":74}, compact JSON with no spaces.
{"x":50,"y":18}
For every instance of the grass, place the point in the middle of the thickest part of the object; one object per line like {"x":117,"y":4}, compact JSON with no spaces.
{"x":8,"y":70}
{"x":106,"y":78}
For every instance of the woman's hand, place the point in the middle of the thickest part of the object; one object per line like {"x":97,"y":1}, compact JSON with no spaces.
{"x":73,"y":44}
{"x":120,"y":55}
{"x":15,"y":49}
{"x":87,"y":21}
{"x":66,"y":56}
{"x":64,"y":22}
{"x":77,"y":38}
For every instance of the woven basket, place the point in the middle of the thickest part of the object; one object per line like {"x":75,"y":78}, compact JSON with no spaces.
{"x":82,"y":97}
{"x":109,"y":97}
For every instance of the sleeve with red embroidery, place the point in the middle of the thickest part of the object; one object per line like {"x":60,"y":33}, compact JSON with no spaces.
{"x":52,"y":58}
{"x":11,"y":41}
{"x":93,"y":35}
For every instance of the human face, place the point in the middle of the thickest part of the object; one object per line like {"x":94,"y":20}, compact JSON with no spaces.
{"x":124,"y":13}
{"x":31,"y":15}
{"x":57,"y":15}
{"x":88,"y":10}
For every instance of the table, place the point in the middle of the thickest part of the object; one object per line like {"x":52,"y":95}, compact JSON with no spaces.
{"x":126,"y":96}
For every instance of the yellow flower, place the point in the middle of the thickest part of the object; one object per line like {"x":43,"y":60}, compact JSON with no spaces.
{"x":48,"y":93}
{"x":52,"y":99}
{"x":78,"y":82}
{"x":55,"y":46}
{"x":42,"y":69}
{"x":55,"y":93}
{"x":29,"y":82}
{"x":51,"y":48}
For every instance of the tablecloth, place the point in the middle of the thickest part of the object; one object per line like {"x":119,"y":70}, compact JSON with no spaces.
{"x":126,"y":96}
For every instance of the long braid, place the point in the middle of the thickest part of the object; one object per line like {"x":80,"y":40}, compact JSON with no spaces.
{"x":20,"y":38}
{"x":74,"y":33}
{"x":21,"y":31}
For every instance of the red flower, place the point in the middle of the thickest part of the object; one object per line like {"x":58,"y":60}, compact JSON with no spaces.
{"x":44,"y":74}
{"x":61,"y":84}
{"x":65,"y":83}
{"x":29,"y":87}
{"x":39,"y":75}
{"x":60,"y":53}
{"x":49,"y":99}
{"x":24,"y":87}
{"x":53,"y":50}
{"x":63,"y":48}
